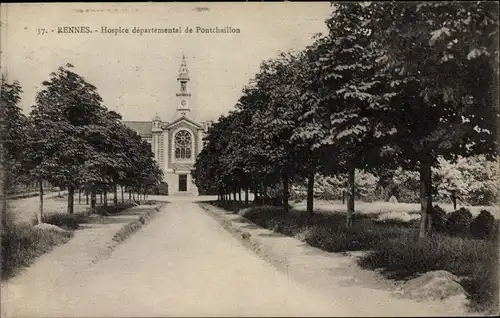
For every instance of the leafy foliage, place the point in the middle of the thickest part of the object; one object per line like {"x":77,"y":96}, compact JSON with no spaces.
{"x":376,"y":94}
{"x":73,"y":141}
{"x":13,"y":133}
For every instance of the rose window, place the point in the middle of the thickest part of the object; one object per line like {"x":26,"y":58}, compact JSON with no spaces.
{"x":183,"y":144}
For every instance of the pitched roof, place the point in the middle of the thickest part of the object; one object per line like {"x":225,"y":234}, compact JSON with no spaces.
{"x":183,"y":118}
{"x":143,"y":128}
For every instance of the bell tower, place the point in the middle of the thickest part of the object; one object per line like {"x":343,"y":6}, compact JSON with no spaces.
{"x":183,"y":96}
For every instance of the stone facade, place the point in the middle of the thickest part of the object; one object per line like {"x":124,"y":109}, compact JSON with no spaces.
{"x":175,"y":145}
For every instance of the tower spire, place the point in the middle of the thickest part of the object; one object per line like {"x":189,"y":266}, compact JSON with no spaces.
{"x":183,"y":70}
{"x":183,"y":95}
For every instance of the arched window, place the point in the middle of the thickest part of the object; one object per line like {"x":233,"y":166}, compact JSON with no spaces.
{"x":183,"y":144}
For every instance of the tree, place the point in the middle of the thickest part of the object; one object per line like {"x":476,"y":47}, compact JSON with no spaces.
{"x":13,"y":141}
{"x":63,"y":109}
{"x":435,"y":108}
{"x":351,"y":107}
{"x":473,"y":180}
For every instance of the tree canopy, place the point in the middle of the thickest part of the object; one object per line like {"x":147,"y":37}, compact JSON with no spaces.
{"x":389,"y":85}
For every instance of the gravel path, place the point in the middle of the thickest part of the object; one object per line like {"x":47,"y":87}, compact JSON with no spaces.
{"x":181,"y":264}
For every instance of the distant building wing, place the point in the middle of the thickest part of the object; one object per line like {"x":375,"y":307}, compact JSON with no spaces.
{"x":143,"y":128}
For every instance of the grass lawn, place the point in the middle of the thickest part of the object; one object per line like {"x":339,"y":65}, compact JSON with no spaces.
{"x":391,"y":245}
{"x":22,"y":243}
{"x":378,"y":207}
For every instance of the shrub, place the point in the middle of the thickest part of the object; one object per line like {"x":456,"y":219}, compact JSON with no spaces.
{"x":364,"y":235}
{"x":458,"y":222}
{"x":260,"y":214}
{"x":65,"y":221}
{"x":401,"y":257}
{"x":439,"y":218}
{"x":473,"y":179}
{"x":21,"y":244}
{"x":327,"y":232}
{"x":483,"y":225}
{"x":111,"y":209}
{"x":163,"y":188}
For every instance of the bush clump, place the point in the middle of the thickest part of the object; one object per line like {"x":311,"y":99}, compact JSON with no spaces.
{"x":362,"y":236}
{"x":112,"y":209}
{"x":477,"y":261}
{"x":458,"y":222}
{"x":325,"y":231}
{"x":261,"y":214}
{"x":21,"y":244}
{"x":396,"y":249}
{"x":64,"y":220}
{"x":483,"y":225}
{"x":439,"y":218}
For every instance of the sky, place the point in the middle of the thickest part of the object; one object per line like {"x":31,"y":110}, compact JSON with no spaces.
{"x":136,"y":75}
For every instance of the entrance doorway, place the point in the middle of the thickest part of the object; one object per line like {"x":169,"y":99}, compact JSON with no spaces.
{"x":182,"y":182}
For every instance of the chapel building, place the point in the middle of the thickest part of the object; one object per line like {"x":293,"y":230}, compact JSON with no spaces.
{"x":175,"y":144}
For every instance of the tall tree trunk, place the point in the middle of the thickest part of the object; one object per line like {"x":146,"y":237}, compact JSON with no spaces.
{"x":239,"y":194}
{"x":79,"y":196}
{"x":234,"y":195}
{"x":121,"y":187}
{"x":71,"y":198}
{"x":286,"y":180}
{"x":86,"y":197}
{"x":39,"y":215}
{"x":246,"y":195}
{"x":454,"y":200}
{"x":343,"y":196}
{"x":264,"y":194}
{"x":3,"y":199}
{"x":115,"y":194}
{"x":310,"y":193}
{"x":105,"y":195}
{"x":93,"y":199}
{"x":425,"y":198}
{"x":115,"y":197}
{"x":351,"y":168}
{"x":130,"y":194}
{"x":100,"y":194}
